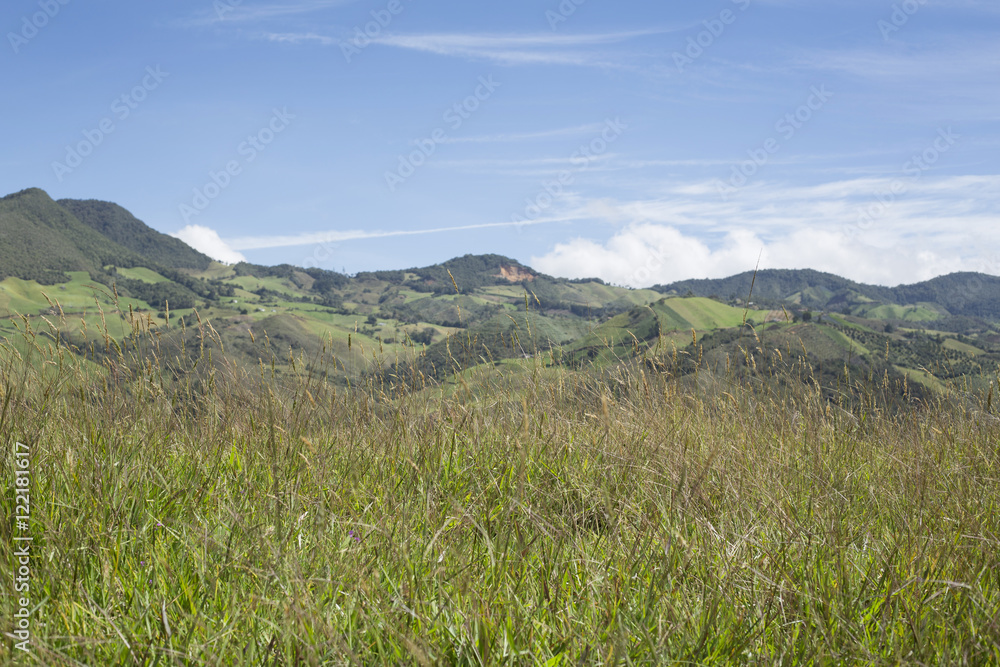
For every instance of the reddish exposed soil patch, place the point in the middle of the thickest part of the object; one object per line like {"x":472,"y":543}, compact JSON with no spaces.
{"x":516,"y":274}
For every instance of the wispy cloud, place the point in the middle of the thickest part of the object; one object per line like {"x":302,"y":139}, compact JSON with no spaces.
{"x":511,"y":49}
{"x":299,"y":38}
{"x":526,"y":49}
{"x":949,"y":60}
{"x":988,"y":6}
{"x":940,"y":225}
{"x":526,"y":136}
{"x":313,"y":238}
{"x":231,"y":12}
{"x":539,"y":167}
{"x":798,"y":159}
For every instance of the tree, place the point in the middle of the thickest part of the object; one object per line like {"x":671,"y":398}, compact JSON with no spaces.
{"x":807,"y":316}
{"x":425,"y":337}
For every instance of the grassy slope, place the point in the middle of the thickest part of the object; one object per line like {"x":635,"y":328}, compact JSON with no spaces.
{"x":706,"y":314}
{"x":523,"y":517}
{"x":618,"y":337}
{"x":214,"y":270}
{"x":75,"y":296}
{"x":893,"y":312}
{"x":143,"y":274}
{"x":953,"y":344}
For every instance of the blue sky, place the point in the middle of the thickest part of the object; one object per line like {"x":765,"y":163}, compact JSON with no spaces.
{"x":641,"y":142}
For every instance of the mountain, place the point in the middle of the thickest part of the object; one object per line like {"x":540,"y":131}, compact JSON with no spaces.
{"x":41,"y":240}
{"x":86,"y":265}
{"x":812,"y":289}
{"x":959,"y":295}
{"x":466,"y":274}
{"x":123,"y":228}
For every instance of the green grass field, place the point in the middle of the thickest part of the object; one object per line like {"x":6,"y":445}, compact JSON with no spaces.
{"x":905,"y":313}
{"x":143,"y":274}
{"x":703,"y":314}
{"x":186,"y":512}
{"x":953,"y":344}
{"x":79,"y":294}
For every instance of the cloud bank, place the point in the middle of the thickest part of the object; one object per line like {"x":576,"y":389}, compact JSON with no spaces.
{"x":642,"y":255}
{"x":877,"y":230}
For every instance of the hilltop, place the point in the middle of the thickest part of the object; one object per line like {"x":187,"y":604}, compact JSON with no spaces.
{"x":42,"y":240}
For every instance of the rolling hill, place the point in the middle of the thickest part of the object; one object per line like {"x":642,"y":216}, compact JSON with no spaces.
{"x":80,"y":263}
{"x":969,"y":295}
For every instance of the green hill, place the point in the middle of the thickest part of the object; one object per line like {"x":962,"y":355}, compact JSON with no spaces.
{"x":811,"y":289}
{"x":467,"y":273}
{"x":630,"y":334}
{"x":120,"y":226}
{"x":439,"y":321}
{"x":968,"y":295}
{"x":960,"y":294}
{"x":41,"y":240}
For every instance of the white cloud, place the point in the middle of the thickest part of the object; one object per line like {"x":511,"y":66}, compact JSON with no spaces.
{"x":208,"y":241}
{"x":936,"y":226}
{"x":642,"y":255}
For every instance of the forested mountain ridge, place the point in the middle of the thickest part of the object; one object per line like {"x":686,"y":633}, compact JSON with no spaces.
{"x":959,"y":294}
{"x":41,"y":240}
{"x":120,"y":226}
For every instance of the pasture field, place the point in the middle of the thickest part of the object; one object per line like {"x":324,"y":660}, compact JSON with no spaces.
{"x":143,"y":274}
{"x":22,"y":297}
{"x":188,"y":510}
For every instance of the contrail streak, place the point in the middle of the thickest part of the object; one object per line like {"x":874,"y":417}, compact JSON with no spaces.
{"x":261,"y":242}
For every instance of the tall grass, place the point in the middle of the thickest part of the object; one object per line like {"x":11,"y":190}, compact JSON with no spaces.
{"x":190,"y":511}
